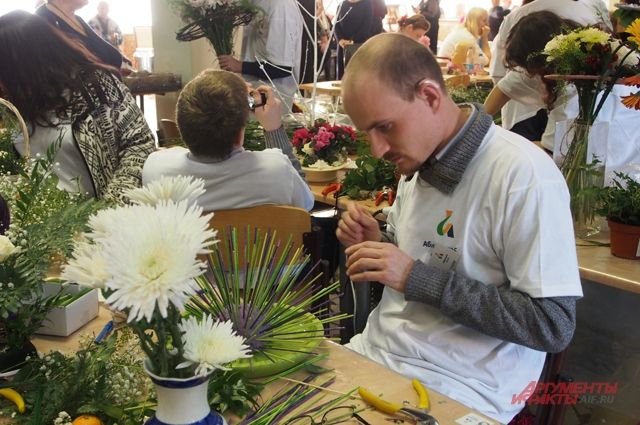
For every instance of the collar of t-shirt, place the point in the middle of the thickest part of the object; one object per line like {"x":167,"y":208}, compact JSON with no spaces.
{"x":208,"y":160}
{"x":445,"y":169}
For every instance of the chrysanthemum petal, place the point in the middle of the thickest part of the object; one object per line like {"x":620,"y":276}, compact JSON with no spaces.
{"x":632,"y":101}
{"x":176,"y":189}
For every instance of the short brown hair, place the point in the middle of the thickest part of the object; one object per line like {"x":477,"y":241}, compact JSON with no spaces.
{"x":396,"y":60}
{"x":212,"y":109}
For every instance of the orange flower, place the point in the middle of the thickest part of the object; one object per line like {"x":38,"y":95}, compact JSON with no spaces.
{"x":634,"y":31}
{"x":634,"y":80}
{"x":632,"y":101}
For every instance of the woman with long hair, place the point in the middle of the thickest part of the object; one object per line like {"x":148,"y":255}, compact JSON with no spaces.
{"x":473,"y":33}
{"x":68,"y":95}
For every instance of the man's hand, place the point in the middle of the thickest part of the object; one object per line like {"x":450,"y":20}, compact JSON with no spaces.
{"x":229,"y":63}
{"x":380,"y":262}
{"x":268,"y":115}
{"x":357,"y":225}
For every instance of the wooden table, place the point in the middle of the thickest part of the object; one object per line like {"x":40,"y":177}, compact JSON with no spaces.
{"x":351,"y":370}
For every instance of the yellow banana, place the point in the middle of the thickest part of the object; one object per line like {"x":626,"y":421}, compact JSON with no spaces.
{"x":12,"y":395}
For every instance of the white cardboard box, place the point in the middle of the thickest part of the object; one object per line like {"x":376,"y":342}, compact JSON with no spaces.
{"x":63,"y":321}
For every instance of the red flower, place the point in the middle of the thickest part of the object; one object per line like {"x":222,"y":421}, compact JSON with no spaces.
{"x":300,"y":136}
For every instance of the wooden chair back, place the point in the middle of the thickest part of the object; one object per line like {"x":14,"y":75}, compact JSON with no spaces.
{"x":170,"y":132}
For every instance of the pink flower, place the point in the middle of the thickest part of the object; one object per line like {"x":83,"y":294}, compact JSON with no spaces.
{"x":323,"y":138}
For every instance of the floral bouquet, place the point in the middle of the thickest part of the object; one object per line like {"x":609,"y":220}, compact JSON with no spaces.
{"x":144,"y":257}
{"x":323,"y":145}
{"x":593,"y":62}
{"x":214,"y":19}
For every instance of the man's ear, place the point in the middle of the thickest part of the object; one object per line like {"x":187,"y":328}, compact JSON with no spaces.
{"x":430,"y":92}
{"x":239,"y":139}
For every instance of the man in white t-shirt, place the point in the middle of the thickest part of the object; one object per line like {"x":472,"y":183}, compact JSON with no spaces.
{"x":478,"y":259}
{"x":211,"y":114}
{"x":271,"y":48}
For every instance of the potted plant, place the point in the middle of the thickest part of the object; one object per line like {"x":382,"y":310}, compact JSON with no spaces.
{"x":620,"y":204}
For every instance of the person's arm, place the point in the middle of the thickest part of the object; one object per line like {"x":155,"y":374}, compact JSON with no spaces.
{"x":270,"y":117}
{"x":495,"y":101}
{"x":544,"y":324}
{"x":134,"y":142}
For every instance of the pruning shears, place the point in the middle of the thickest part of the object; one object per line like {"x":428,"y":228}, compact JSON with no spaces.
{"x":386,"y":193}
{"x":333,"y":187}
{"x":419,"y":414}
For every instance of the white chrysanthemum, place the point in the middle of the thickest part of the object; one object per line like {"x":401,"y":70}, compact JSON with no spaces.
{"x":87,"y":267}
{"x":197,"y":3}
{"x":210,"y":345}
{"x":151,"y":255}
{"x":174,"y":189}
{"x":593,"y":36}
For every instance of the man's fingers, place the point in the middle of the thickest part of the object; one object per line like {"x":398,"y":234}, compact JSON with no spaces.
{"x":362,"y":253}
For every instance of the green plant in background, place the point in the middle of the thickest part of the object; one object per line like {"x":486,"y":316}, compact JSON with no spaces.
{"x":372,"y":175}
{"x":44,"y":222}
{"x":10,"y":161}
{"x":254,"y":136}
{"x":469,"y":94}
{"x":621,"y":202}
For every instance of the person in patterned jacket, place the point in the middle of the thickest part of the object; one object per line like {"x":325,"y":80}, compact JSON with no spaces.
{"x":66,"y":94}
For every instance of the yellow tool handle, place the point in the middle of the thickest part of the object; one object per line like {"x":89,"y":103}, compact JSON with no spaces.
{"x":12,"y":395}
{"x":378,"y":403}
{"x":423,"y":395}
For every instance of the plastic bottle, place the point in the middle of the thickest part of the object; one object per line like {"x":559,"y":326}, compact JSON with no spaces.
{"x":469,"y":61}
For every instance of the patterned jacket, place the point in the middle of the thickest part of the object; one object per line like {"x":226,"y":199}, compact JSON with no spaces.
{"x":111,"y":134}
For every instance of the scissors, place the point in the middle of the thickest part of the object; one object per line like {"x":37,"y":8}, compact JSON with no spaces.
{"x":419,"y":414}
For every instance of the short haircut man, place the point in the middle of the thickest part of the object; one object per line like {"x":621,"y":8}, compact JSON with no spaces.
{"x":212,"y":112}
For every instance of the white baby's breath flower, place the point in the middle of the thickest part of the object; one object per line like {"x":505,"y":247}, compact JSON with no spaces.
{"x":174,"y":189}
{"x":210,"y":345}
{"x":87,"y":266}
{"x":151,"y":255}
{"x":6,"y":248}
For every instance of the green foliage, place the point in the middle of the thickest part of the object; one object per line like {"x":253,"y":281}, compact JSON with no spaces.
{"x":106,"y":380}
{"x":231,"y":391}
{"x":44,"y":221}
{"x":371,"y":175}
{"x":10,"y":161}
{"x":470,"y":94}
{"x":621,"y":202}
{"x":254,"y":136}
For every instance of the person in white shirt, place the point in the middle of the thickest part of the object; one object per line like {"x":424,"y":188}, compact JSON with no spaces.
{"x":478,"y":258}
{"x":271,"y":49}
{"x":473,"y":33}
{"x":211,"y":114}
{"x":518,"y":93}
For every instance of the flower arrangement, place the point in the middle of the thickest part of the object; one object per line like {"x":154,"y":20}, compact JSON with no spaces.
{"x":40,"y":232}
{"x":323,"y":145}
{"x":593,"y":62}
{"x":214,"y":19}
{"x":144,"y":257}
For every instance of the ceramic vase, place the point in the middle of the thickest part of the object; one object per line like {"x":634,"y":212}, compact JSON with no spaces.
{"x":182,"y":401}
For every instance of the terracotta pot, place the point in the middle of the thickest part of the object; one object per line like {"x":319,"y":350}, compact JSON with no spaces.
{"x":625,"y":240}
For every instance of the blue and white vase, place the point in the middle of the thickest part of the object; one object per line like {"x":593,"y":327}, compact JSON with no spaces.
{"x":182,"y":401}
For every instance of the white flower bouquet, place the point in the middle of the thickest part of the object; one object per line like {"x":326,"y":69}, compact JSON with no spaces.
{"x":214,"y":19}
{"x":145,"y":259}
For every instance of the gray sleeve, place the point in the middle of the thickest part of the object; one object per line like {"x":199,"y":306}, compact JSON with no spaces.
{"x":544,"y":324}
{"x":278,"y":139}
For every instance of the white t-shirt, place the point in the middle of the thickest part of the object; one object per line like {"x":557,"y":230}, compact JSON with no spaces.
{"x":275,"y":37}
{"x":71,"y":167}
{"x":510,"y":222}
{"x":246,"y":179}
{"x":584,"y":12}
{"x":461,"y":34}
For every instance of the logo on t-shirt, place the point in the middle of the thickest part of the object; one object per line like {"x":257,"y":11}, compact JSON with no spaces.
{"x":444,"y":227}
